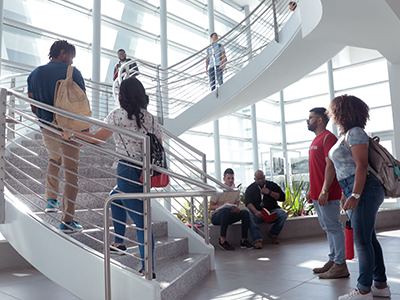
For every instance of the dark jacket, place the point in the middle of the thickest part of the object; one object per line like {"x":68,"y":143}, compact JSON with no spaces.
{"x":253,"y":195}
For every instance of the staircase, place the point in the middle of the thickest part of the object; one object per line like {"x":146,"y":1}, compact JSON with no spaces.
{"x":177,"y":268}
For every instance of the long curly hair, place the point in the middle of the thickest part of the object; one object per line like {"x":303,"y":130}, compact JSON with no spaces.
{"x":348,"y":111}
{"x":132,"y":98}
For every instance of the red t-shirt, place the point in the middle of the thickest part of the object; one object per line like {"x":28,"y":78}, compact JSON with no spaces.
{"x":319,"y":150}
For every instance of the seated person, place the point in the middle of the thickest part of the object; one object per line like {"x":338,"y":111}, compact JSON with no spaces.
{"x":264,"y":194}
{"x":229,"y":215}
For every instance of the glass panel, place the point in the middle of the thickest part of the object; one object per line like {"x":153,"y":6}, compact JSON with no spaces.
{"x":360,"y":75}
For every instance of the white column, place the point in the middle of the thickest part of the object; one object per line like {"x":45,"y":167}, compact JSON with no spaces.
{"x":394,"y":79}
{"x":254,"y":136}
{"x":283,"y":128}
{"x":1,"y":28}
{"x":217,"y":151}
{"x":164,"y":75}
{"x":96,"y":55}
{"x":331,"y":91}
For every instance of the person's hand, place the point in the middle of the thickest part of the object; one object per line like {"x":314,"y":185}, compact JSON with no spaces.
{"x":259,"y":215}
{"x":220,"y":67}
{"x":207,"y":71}
{"x":308,"y":199}
{"x":67,"y":135}
{"x":323,"y":199}
{"x":342,"y":200}
{"x":351,"y":203}
{"x":235,"y":209}
{"x":265,"y":191}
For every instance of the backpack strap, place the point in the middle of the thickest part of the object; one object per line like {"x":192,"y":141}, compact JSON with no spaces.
{"x":69,"y":71}
{"x":323,"y":142}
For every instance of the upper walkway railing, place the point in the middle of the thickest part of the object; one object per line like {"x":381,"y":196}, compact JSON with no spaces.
{"x":174,"y":89}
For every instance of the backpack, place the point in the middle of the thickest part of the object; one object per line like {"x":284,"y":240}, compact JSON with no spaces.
{"x":69,"y":96}
{"x":383,"y":165}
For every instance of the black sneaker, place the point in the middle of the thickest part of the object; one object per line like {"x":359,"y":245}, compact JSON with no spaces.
{"x":246,"y":244}
{"x":121,"y":249}
{"x":226,"y":246}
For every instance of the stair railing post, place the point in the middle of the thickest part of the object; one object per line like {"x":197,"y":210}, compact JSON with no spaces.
{"x":160,"y":113}
{"x":275,"y":21}
{"x":10,"y":132}
{"x":205,"y":203}
{"x":192,"y":212}
{"x":107,"y":266}
{"x":147,"y":210}
{"x":3,"y":101}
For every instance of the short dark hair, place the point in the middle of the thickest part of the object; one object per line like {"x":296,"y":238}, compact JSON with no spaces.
{"x":120,"y":50}
{"x":55,"y":49}
{"x":229,"y":171}
{"x":212,"y":34}
{"x":321,"y":112}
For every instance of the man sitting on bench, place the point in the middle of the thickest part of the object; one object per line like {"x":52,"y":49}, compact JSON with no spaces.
{"x":225,"y":211}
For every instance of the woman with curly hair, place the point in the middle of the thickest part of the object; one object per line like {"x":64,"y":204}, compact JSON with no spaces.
{"x":362,"y":194}
{"x":131,"y":115}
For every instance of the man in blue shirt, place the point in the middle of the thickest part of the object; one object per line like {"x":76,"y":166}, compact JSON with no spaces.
{"x":215,"y":61}
{"x":41,"y":87}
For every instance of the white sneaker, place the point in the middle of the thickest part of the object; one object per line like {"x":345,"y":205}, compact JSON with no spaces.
{"x":356,"y":295}
{"x":380,"y":292}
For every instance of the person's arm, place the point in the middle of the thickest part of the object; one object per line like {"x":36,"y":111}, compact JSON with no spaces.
{"x":360,"y":155}
{"x":102,"y":134}
{"x":207,"y":62}
{"x":249,"y":196}
{"x":328,"y":179}
{"x":33,"y":108}
{"x":274,"y":191}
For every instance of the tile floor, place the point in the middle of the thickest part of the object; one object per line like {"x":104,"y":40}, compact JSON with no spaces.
{"x":281,"y":272}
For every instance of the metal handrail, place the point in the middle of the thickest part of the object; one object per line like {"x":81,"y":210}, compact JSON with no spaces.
{"x":147,"y":216}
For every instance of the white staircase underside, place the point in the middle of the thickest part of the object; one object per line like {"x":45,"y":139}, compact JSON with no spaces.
{"x":315,"y":33}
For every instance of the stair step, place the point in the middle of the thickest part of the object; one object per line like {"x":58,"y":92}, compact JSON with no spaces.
{"x":177,"y":276}
{"x":41,"y":161}
{"x":95,"y":186}
{"x":36,"y":172}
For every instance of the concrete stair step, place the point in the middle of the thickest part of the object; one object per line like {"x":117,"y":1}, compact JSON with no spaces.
{"x":96,"y":185}
{"x":42,"y":161}
{"x":177,"y":276}
{"x":36,"y":172}
{"x":83,"y":201}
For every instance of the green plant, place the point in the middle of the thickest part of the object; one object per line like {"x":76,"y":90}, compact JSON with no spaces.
{"x":295,"y":203}
{"x":185,"y":215}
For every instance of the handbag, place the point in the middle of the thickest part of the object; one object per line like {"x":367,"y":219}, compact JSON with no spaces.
{"x":157,"y":157}
{"x":349,"y":240}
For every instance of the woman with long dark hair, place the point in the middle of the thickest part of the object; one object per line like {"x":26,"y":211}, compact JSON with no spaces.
{"x":132,"y":115}
{"x":362,"y":194}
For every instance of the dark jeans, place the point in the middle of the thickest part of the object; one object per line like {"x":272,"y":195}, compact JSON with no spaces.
{"x":119,"y":213}
{"x":211,"y":75}
{"x":370,"y":256}
{"x":224,"y":217}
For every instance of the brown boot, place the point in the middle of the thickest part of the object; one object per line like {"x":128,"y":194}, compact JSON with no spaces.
{"x":325,"y":268}
{"x":337,"y":271}
{"x":274,"y":239}
{"x":258,"y":245}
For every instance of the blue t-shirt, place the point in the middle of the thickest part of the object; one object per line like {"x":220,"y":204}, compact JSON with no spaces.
{"x":342,"y":157}
{"x":42,"y":84}
{"x":215,"y":50}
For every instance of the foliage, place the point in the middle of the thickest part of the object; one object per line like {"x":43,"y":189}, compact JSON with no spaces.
{"x":185,"y":215}
{"x":295,"y":203}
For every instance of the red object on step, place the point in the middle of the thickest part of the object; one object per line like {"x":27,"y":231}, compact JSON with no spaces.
{"x":349,"y":240}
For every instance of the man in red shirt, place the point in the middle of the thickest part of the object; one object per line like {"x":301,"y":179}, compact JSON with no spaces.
{"x":325,"y":193}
